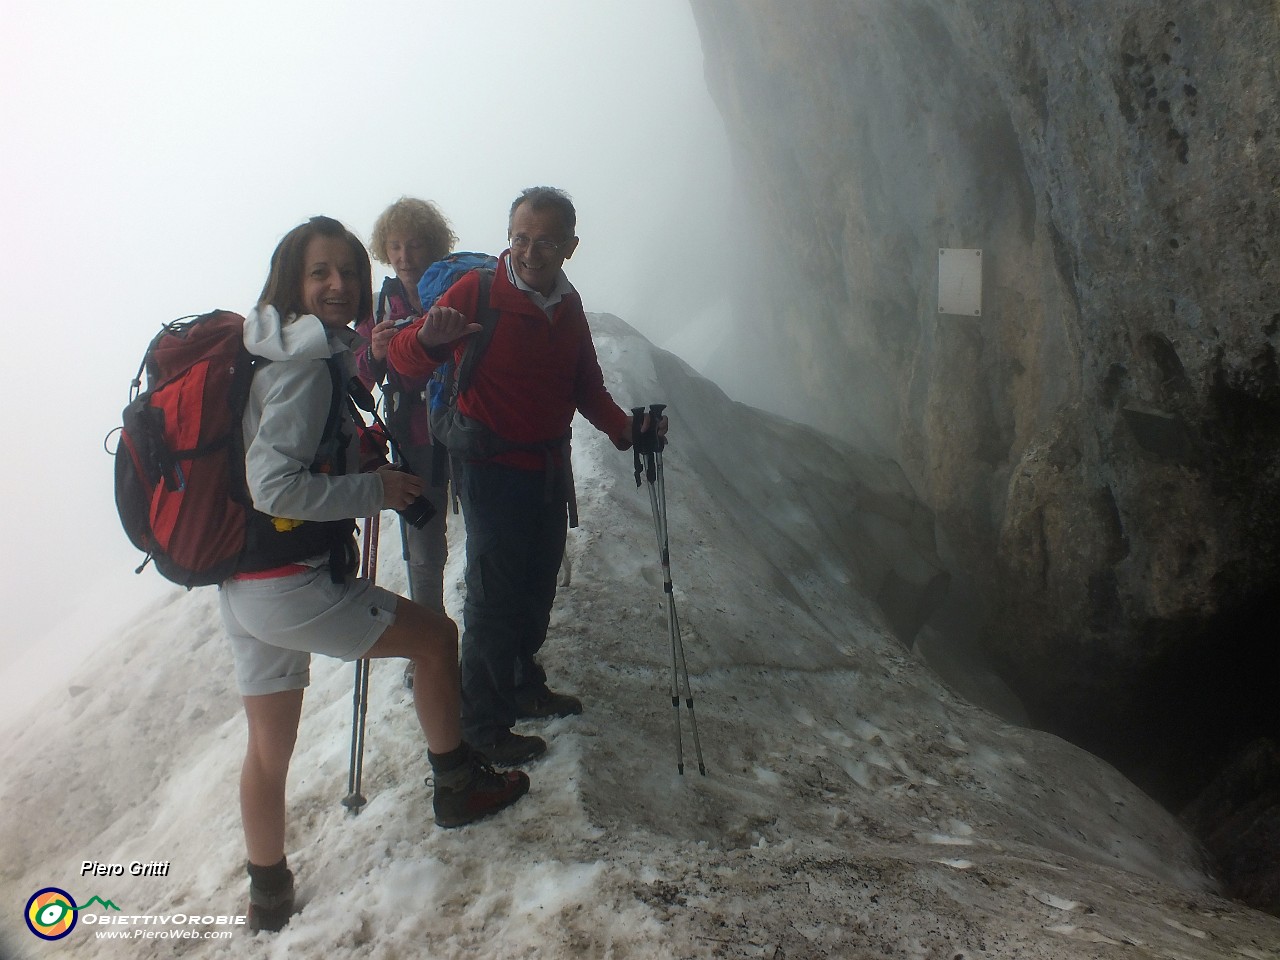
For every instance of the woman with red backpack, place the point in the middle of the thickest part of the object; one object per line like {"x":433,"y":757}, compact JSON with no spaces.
{"x":301,"y":469}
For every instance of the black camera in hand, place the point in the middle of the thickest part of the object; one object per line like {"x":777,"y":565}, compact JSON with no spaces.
{"x":418,"y":513}
{"x":421,"y":510}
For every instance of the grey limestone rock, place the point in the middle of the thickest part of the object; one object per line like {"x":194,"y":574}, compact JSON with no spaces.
{"x":1101,"y":446}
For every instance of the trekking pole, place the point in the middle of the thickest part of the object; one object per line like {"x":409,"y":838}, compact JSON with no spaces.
{"x":354,"y":799}
{"x":404,"y":535}
{"x":648,"y":460}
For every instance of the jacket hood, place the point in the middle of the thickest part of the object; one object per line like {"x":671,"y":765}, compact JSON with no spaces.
{"x":295,"y":337}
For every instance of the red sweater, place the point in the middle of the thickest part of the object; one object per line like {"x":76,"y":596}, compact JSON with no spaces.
{"x":534,"y":374}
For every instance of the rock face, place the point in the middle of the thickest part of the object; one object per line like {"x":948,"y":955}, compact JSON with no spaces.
{"x":1101,"y":447}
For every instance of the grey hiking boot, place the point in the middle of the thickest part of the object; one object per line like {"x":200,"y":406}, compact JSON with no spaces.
{"x":475,"y":790}
{"x":270,"y":901}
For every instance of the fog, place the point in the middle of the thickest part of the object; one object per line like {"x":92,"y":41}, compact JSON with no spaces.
{"x":155,"y":153}
{"x":854,"y":806}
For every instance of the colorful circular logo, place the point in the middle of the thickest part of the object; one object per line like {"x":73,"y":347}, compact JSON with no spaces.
{"x":51,"y":913}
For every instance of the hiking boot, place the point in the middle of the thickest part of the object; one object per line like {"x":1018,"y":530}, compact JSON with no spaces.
{"x":475,"y":790}
{"x":511,"y":749}
{"x":547,"y":704}
{"x":408,"y":674}
{"x":270,"y":909}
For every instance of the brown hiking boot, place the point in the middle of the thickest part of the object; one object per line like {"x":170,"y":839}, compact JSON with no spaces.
{"x":474,"y":791}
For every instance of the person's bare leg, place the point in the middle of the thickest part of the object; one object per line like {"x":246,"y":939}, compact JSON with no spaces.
{"x":466,"y":788}
{"x":273,"y":730}
{"x":431,"y":641}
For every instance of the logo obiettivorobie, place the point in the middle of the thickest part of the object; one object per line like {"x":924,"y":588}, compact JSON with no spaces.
{"x":52,"y":913}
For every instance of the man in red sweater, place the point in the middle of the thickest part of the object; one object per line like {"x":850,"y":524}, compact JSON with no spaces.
{"x":538,"y":369}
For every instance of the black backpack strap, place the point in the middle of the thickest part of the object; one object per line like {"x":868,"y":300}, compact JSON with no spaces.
{"x":441,"y":469}
{"x":337,"y":406}
{"x":340,"y":550}
{"x":390,"y":285}
{"x":389,"y":389}
{"x":487,"y":317}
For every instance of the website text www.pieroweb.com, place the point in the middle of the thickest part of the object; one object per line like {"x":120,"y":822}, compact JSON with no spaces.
{"x":54,"y":913}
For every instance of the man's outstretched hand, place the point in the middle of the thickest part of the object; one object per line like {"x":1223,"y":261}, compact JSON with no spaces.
{"x":443,"y":325}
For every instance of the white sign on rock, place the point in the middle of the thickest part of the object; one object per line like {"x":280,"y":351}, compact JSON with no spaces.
{"x":960,"y":281}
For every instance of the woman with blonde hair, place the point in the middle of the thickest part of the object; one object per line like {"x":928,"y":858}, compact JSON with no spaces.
{"x":409,"y":236}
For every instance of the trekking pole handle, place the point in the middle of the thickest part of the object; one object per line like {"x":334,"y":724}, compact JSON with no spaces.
{"x":637,"y":441}
{"x":655,"y":417}
{"x":646,"y":441}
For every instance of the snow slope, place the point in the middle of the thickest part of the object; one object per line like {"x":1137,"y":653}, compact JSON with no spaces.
{"x":853,"y":806}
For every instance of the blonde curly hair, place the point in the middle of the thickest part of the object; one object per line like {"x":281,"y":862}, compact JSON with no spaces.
{"x":420,"y":219}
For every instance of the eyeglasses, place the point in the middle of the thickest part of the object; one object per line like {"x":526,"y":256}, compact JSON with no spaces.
{"x":520,"y":242}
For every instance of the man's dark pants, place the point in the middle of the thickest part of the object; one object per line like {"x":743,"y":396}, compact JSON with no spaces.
{"x":515,"y":542}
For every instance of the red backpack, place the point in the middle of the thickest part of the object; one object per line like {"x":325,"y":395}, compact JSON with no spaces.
{"x":179,"y":465}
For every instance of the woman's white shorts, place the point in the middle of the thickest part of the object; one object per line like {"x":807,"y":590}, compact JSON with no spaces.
{"x":275,"y":625}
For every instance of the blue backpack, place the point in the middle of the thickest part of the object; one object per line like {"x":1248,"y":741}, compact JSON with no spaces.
{"x":447,"y":381}
{"x":464,"y":437}
{"x":444,"y":273}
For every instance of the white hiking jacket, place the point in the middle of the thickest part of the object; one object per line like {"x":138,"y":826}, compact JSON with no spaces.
{"x":285,"y":417}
